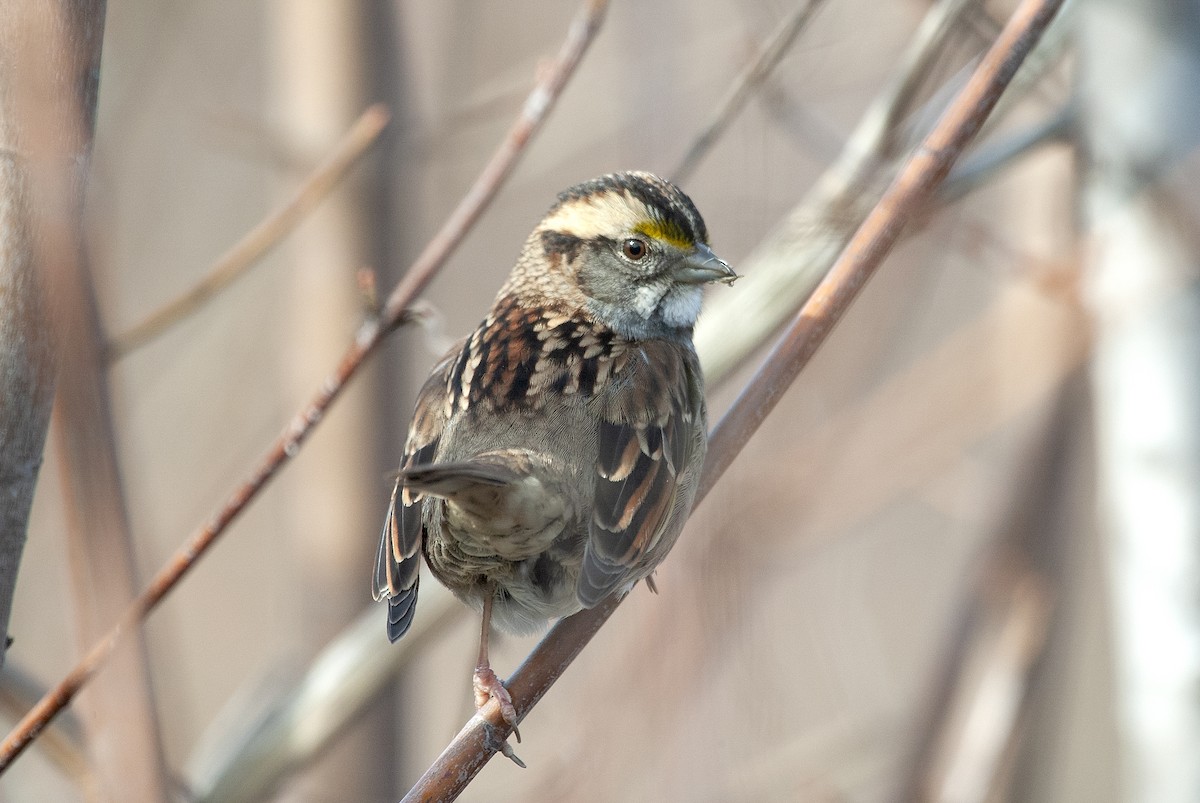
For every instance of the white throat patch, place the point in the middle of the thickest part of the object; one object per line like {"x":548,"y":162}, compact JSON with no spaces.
{"x":678,"y":306}
{"x":681,"y":307}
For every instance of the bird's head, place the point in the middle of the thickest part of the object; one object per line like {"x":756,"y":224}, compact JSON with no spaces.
{"x":631,"y":248}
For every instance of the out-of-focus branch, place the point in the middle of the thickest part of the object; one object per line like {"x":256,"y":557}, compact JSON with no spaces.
{"x":537,"y":107}
{"x":317,"y":62}
{"x":340,"y":683}
{"x":119,"y":718}
{"x":744,"y":86}
{"x":788,"y":264}
{"x":247,"y":251}
{"x":484,"y":733}
{"x":981,"y":166}
{"x":974,"y":713}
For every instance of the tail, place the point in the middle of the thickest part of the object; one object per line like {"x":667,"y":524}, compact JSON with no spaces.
{"x":453,"y":480}
{"x":485,"y":486}
{"x":512,"y":498}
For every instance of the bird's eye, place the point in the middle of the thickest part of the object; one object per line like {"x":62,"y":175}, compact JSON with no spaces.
{"x":634,"y":249}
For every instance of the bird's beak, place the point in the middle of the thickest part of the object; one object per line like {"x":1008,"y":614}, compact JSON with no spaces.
{"x":702,"y":265}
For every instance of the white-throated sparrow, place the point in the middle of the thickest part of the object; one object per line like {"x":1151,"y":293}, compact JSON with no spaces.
{"x":554,"y":454}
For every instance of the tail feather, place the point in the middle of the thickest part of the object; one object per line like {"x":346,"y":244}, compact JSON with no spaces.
{"x":401,"y":609}
{"x":398,"y":563}
{"x":448,"y":479}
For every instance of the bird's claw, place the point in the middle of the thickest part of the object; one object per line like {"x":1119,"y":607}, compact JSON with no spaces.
{"x":489,"y":687}
{"x":501,"y":746}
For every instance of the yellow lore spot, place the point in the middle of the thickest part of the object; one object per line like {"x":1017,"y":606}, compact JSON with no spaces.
{"x":664,"y":231}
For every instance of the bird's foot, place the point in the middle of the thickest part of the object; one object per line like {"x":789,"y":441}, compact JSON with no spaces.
{"x":488,"y":687}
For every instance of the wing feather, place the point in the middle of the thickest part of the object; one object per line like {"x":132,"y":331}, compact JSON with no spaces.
{"x":651,"y":425}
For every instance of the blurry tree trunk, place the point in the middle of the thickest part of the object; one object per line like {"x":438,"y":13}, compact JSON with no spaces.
{"x":318,"y":80}
{"x":1140,"y":103}
{"x":26,"y":359}
{"x":51,"y":72}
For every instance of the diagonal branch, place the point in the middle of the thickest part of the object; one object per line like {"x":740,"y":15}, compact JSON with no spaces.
{"x":788,"y":264}
{"x":484,"y":733}
{"x":747,"y":82}
{"x":370,"y":335}
{"x":242,"y":256}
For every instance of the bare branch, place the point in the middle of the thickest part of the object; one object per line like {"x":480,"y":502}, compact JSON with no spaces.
{"x":744,"y":86}
{"x":484,"y":733}
{"x":537,"y":107}
{"x":247,"y":251}
{"x":787,"y":265}
{"x":120,"y":719}
{"x":974,"y":712}
{"x":985,"y":164}
{"x":340,"y":684}
{"x":63,"y":741}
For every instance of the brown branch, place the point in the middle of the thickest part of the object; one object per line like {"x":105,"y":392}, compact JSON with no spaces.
{"x":1000,"y":634}
{"x":743,"y":86}
{"x":788,"y":264}
{"x":124,"y":740}
{"x":537,"y":107}
{"x":124,"y":736}
{"x":247,"y":251}
{"x":484,"y":733}
{"x":63,"y":742}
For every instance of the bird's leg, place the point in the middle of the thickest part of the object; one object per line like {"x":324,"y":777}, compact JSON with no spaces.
{"x":487,"y":685}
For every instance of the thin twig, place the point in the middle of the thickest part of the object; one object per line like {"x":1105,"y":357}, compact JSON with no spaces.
{"x":484,"y":733}
{"x":985,"y":164}
{"x":747,"y":81}
{"x":787,"y":265}
{"x":63,"y":742}
{"x":370,"y":334}
{"x":818,"y":138}
{"x":246,"y":252}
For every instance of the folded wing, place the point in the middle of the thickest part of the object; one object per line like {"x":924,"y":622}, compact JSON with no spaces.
{"x":648,"y":432}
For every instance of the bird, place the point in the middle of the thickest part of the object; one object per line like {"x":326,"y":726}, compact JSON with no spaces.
{"x":554,"y":453}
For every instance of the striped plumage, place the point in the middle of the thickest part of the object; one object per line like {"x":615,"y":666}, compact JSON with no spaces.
{"x":554,"y":453}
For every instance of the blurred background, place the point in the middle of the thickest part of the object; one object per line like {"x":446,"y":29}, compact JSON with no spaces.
{"x":958,"y":562}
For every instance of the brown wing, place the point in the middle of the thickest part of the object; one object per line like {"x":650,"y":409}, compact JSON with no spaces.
{"x":398,"y":562}
{"x":650,"y":427}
